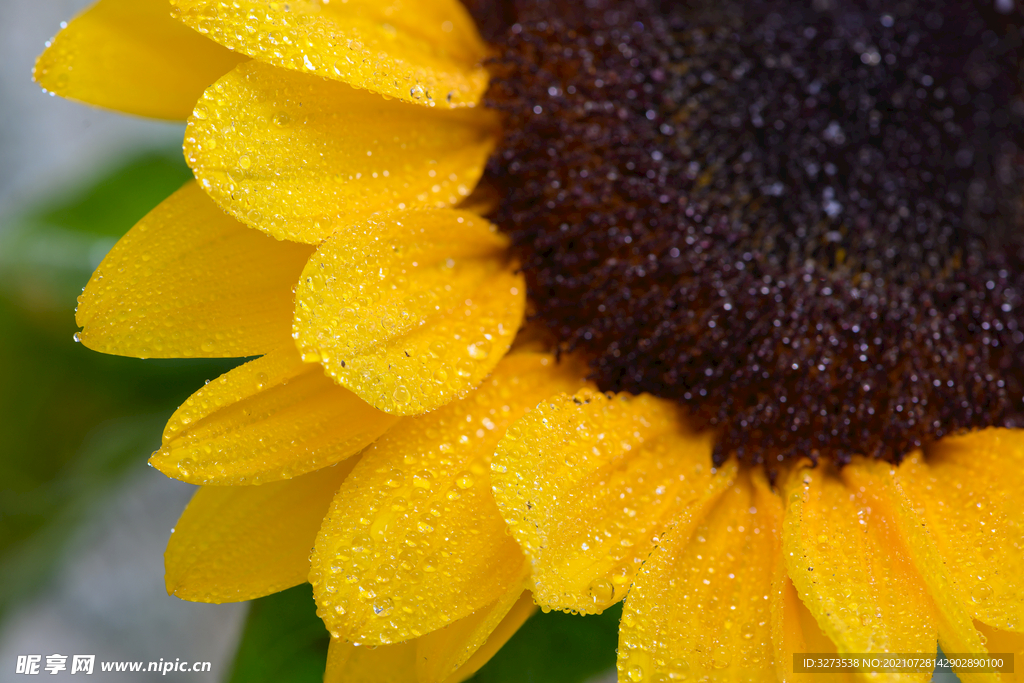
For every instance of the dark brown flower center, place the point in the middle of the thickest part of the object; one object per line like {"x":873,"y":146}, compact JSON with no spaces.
{"x":801,"y":219}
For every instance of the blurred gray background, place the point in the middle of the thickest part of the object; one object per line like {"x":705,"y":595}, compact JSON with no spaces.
{"x":106,"y":596}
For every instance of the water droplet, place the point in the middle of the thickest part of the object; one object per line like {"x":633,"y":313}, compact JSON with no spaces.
{"x":282,"y":120}
{"x":77,"y":337}
{"x":636,"y":673}
{"x":981,"y":592}
{"x":187,"y":467}
{"x":261,"y":380}
{"x":480,"y":350}
{"x":244,"y":162}
{"x":401,"y":395}
{"x":601,"y":591}
{"x":361,"y":543}
{"x":464,"y":480}
{"x":383,"y":607}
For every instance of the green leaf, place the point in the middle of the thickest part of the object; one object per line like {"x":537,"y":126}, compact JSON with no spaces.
{"x":556,"y":648}
{"x":48,"y":253}
{"x":284,"y":641}
{"x":118,"y":200}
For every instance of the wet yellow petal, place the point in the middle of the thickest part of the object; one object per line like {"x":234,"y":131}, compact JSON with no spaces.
{"x":507,"y":627}
{"x":967,"y":491}
{"x":441,"y":654}
{"x":588,"y":482}
{"x":794,"y":630}
{"x":850,"y":569}
{"x":353,"y":663}
{"x":299,"y":157}
{"x":699,"y":606}
{"x":956,"y":630}
{"x":190,"y":281}
{"x":422,"y":51}
{"x":272,"y":418}
{"x":466,"y":644}
{"x":131,"y":55}
{"x":237,"y":543}
{"x":413,"y":540}
{"x":410,"y":310}
{"x":1005,"y":642}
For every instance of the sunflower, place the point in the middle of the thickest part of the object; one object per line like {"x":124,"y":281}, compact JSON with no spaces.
{"x":784,"y":236}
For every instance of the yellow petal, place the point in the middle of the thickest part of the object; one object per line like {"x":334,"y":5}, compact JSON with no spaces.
{"x":237,"y":543}
{"x":422,"y":51}
{"x":522,"y":610}
{"x":588,"y":482}
{"x":849,"y":567}
{"x":410,"y":310}
{"x":466,"y":644}
{"x":189,"y":281}
{"x":299,"y":157}
{"x":352,"y":663}
{"x":441,"y":654}
{"x":413,"y":540}
{"x":1005,"y":642}
{"x":272,"y":418}
{"x":793,"y":628}
{"x":967,"y":491}
{"x":795,"y":632}
{"x":131,"y":55}
{"x":956,"y":630}
{"x":699,"y":607}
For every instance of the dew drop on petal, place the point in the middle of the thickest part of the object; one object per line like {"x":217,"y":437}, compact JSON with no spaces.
{"x":383,"y":607}
{"x":601,"y":591}
{"x":401,"y":395}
